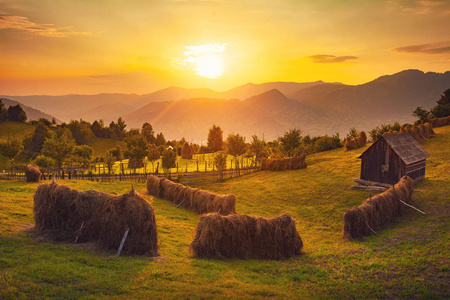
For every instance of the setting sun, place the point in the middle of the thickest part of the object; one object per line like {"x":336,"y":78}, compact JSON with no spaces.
{"x":205,"y":59}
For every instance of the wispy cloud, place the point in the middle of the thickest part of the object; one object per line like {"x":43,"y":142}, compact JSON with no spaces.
{"x":50,"y":30}
{"x":324,"y":58}
{"x":437,"y":48}
{"x":422,"y":7}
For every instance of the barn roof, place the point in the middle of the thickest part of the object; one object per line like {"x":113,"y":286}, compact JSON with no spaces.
{"x":406,"y":147}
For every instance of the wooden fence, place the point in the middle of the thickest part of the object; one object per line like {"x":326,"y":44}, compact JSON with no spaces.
{"x":181,"y":177}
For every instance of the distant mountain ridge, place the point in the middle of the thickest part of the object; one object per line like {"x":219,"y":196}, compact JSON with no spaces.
{"x":32,"y":113}
{"x":268,"y":109}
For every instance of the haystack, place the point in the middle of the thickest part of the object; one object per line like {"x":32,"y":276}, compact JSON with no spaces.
{"x":379,"y":211}
{"x":356,"y":142}
{"x":279,"y":164}
{"x":65,"y":214}
{"x":33,"y":173}
{"x":246,"y":237}
{"x":198,"y":200}
{"x":439,"y":122}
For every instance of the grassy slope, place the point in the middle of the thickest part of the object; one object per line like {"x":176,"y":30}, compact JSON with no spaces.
{"x":21,"y":130}
{"x":410,"y":259}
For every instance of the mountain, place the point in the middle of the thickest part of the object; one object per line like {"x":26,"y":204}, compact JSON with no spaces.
{"x":32,"y":113}
{"x":250,"y":89}
{"x":268,"y":109}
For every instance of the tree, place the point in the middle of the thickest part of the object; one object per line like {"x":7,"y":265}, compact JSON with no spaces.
{"x":33,"y":145}
{"x":3,"y":111}
{"x":83,"y":155}
{"x":45,"y":163}
{"x":59,"y":146}
{"x":137,"y":147}
{"x":11,"y":148}
{"x":442,"y":109}
{"x":153,"y":154}
{"x":109,"y":160}
{"x":291,"y":141}
{"x":215,"y":138}
{"x":421,"y":113}
{"x":352,"y":133}
{"x":236,"y":145}
{"x":186,"y":151}
{"x":118,"y":129}
{"x":16,"y":114}
{"x":99,"y":129}
{"x":220,"y":162}
{"x":160,"y":140}
{"x":258,"y":148}
{"x":168,"y":160}
{"x":81,"y":132}
{"x":148,"y":133}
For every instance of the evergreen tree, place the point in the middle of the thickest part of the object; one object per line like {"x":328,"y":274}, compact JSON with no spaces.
{"x":16,"y":114}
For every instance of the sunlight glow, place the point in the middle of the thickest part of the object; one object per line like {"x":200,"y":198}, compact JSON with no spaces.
{"x":206,"y":59}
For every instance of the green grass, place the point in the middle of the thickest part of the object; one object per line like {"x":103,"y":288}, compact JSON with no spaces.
{"x":409,"y":260}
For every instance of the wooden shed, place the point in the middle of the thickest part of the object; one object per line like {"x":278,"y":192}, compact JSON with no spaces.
{"x":393,"y":156}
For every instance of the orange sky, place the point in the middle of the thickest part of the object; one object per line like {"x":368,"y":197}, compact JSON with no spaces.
{"x":136,"y":46}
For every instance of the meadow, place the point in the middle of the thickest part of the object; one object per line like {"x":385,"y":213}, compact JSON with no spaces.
{"x":410,"y":259}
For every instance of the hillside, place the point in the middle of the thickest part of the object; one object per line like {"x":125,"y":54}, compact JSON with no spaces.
{"x":407,"y":260}
{"x":32,"y":113}
{"x":316,"y":108}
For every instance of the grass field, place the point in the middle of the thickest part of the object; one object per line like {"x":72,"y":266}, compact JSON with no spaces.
{"x":409,"y":260}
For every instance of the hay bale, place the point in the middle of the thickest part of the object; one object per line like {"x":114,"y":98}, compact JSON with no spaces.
{"x":153,"y":185}
{"x":356,"y":142}
{"x":246,"y":237}
{"x":429,"y":129}
{"x":66,"y":214}
{"x":33,"y":173}
{"x":195,"y":199}
{"x":290,"y":163}
{"x":377,"y":212}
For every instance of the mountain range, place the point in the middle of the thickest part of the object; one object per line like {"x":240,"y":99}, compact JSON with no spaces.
{"x":267,"y":109}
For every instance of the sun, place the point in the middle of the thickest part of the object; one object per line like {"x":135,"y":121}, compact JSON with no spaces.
{"x":206,"y":60}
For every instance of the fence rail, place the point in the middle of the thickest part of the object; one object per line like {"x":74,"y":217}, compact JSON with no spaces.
{"x":185,"y":177}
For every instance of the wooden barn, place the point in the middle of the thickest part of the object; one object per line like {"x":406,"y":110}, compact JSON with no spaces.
{"x":393,"y":156}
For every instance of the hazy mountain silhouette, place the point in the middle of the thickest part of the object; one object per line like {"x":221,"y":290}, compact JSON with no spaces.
{"x":250,"y":89}
{"x":316,"y":108}
{"x":32,"y":113}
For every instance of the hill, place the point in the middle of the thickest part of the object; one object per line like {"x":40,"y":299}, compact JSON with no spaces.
{"x":407,"y":260}
{"x":32,"y":113}
{"x":316,"y":108}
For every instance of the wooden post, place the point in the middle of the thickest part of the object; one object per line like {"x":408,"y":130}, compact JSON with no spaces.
{"x":177,"y":167}
{"x":197,"y":165}
{"x":123,"y":242}
{"x":205,"y":166}
{"x":186,"y":167}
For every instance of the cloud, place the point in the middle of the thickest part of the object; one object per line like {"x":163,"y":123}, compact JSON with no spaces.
{"x":437,"y":48}
{"x":422,"y":7}
{"x":323,"y":58}
{"x":24,"y":24}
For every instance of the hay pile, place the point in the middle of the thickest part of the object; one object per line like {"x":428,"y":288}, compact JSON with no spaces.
{"x":379,"y":211}
{"x":198,"y":200}
{"x":355,"y":143}
{"x":439,"y":122}
{"x":246,"y":237}
{"x":279,"y":164}
{"x":65,"y":214}
{"x":420,"y":132}
{"x":33,"y":173}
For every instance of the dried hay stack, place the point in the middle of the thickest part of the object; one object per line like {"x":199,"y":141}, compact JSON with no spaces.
{"x":64,"y":213}
{"x":279,"y":164}
{"x":357,"y":142}
{"x":439,"y":122}
{"x":246,"y":237}
{"x":379,"y":211}
{"x":195,"y":199}
{"x":420,"y":132}
{"x":33,"y":173}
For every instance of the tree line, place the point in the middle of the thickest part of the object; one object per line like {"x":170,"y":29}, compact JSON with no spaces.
{"x":67,"y":145}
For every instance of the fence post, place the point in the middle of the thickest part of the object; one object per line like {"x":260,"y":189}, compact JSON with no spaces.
{"x":205,"y":165}
{"x":197,"y":165}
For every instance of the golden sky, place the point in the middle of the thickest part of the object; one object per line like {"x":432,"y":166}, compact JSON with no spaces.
{"x":56,"y":47}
